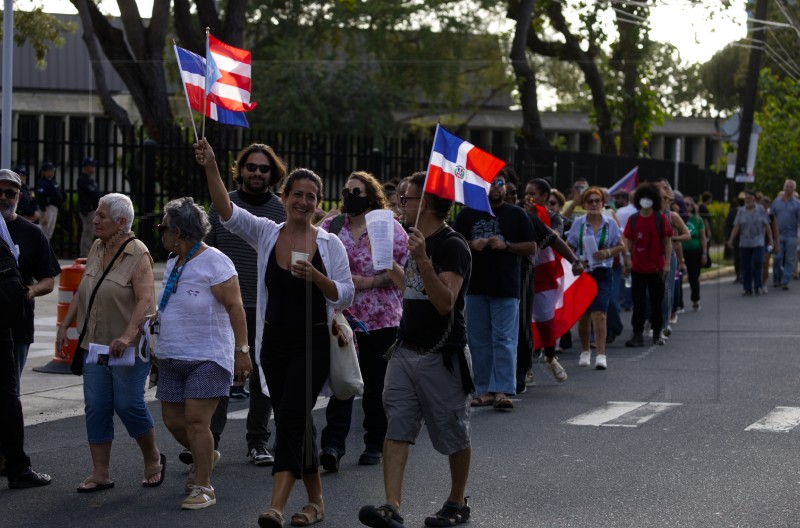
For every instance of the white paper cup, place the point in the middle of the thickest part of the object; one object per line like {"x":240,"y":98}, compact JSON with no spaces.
{"x":298,"y":255}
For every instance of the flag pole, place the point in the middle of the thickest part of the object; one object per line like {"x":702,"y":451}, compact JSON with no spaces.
{"x":186,"y":95}
{"x":428,"y":170}
{"x":205,"y":92}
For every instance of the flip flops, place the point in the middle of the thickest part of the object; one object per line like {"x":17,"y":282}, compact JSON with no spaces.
{"x":151,"y":472}
{"x":98,"y":486}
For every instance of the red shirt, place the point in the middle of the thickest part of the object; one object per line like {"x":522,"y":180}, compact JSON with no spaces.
{"x":648,"y":248}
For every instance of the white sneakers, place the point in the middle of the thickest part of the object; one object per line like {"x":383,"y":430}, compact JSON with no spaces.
{"x":558,"y":371}
{"x":199,"y":497}
{"x":586,"y":359}
{"x":600,"y":362}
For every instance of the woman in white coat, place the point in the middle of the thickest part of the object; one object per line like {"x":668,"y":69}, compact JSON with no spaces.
{"x":296,"y":299}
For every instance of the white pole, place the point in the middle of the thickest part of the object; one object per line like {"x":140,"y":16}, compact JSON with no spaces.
{"x":8,"y":81}
{"x":677,"y":160}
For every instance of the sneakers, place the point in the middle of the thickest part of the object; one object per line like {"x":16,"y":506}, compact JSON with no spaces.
{"x":673,"y":318}
{"x":260,"y":456}
{"x":600,"y":362}
{"x":558,"y":371}
{"x":370,"y":457}
{"x":189,"y":483}
{"x":329,"y":459}
{"x":451,"y":514}
{"x":239,"y":392}
{"x":696,"y":306}
{"x":186,"y":457}
{"x":666,"y":332}
{"x":199,"y":497}
{"x":636,"y":341}
{"x":585,"y":359}
{"x":530,"y":381}
{"x":29,"y":479}
{"x":659,"y":341}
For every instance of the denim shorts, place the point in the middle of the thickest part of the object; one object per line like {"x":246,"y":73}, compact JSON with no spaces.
{"x":604,"y":279}
{"x":420,"y":387}
{"x":180,"y":380}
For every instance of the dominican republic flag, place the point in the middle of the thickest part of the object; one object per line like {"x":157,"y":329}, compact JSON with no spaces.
{"x":560,"y":298}
{"x":629,"y":182}
{"x":460,"y":171}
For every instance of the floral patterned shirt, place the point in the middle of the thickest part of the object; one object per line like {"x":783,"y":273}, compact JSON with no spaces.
{"x":376,"y":307}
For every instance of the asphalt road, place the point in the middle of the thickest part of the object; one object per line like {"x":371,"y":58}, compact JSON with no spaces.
{"x":698,"y":433}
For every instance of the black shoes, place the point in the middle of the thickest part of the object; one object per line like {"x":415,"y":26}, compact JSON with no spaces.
{"x":329,"y":459}
{"x":636,"y":341}
{"x":28,"y":479}
{"x":370,"y":457}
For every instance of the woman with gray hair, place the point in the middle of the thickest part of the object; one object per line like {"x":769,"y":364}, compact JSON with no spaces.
{"x":116,"y":292}
{"x":202,"y":342}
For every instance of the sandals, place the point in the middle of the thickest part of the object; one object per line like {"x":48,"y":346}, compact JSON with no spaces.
{"x":98,"y":486}
{"x":153,"y":471}
{"x":385,"y":516}
{"x":482,"y":401}
{"x":451,"y":514}
{"x":503,"y":404}
{"x":271,"y":518}
{"x":304,"y":518}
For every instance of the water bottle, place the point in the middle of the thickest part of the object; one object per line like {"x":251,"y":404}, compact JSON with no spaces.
{"x":628,"y":280}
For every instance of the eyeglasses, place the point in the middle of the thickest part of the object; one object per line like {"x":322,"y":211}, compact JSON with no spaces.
{"x":498,"y":183}
{"x":404,"y":199}
{"x":263,"y":169}
{"x":9,"y":193}
{"x":161,"y":228}
{"x":594,"y":201}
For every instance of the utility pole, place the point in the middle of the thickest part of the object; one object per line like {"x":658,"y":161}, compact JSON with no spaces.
{"x":751,"y":88}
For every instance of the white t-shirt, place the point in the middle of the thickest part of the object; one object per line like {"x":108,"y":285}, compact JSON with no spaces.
{"x":194,"y":325}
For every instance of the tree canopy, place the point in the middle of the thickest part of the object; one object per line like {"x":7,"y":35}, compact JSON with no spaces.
{"x":42,"y":30}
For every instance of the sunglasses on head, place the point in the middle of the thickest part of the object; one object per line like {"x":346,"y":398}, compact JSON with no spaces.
{"x":9,"y":193}
{"x":263,"y":169}
{"x":161,"y":228}
{"x":404,"y":199}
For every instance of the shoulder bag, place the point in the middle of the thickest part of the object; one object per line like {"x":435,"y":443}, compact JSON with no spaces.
{"x":345,"y":376}
{"x":76,"y":367}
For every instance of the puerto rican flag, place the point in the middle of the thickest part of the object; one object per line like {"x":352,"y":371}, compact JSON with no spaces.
{"x":460,"y":171}
{"x":628,"y":183}
{"x":228,"y":76}
{"x":560,"y":298}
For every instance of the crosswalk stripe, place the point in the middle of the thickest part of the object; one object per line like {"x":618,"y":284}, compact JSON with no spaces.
{"x":622,"y":414}
{"x":778,"y":420}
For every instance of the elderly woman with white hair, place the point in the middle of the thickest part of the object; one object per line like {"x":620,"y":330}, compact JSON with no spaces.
{"x":119,"y":303}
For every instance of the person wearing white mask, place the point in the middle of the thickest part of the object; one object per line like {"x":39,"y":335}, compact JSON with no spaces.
{"x":648,"y":239}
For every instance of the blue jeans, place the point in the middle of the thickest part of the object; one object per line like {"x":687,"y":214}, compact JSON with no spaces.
{"x":614,"y":322}
{"x":492,"y":332}
{"x":752,"y":260}
{"x":115,"y":389}
{"x":20,"y":358}
{"x":783,"y":266}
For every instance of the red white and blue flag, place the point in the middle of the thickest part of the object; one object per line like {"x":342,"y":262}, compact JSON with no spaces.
{"x":628,"y":183}
{"x":460,"y":171}
{"x":193,"y":73}
{"x":228,"y":76}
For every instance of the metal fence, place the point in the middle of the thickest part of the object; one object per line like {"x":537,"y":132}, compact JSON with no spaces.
{"x":154,"y":172}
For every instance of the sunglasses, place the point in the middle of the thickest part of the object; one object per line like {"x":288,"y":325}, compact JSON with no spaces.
{"x":161,"y":228}
{"x":348,"y":192}
{"x":263,"y":169}
{"x":499,"y":183}
{"x":404,"y":199}
{"x":341,"y":339}
{"x":9,"y":193}
{"x":594,"y":201}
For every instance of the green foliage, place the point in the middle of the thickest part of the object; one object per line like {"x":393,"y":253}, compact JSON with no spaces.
{"x":719,"y":213}
{"x":42,"y":30}
{"x":778,"y":156}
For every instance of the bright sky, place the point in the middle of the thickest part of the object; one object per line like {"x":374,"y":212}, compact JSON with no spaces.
{"x":697,"y":31}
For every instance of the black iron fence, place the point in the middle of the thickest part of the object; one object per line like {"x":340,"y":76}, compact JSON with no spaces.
{"x":154,"y":172}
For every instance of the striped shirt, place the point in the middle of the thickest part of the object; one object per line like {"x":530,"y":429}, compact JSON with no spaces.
{"x":242,"y":255}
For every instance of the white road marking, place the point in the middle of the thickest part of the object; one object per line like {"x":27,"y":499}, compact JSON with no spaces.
{"x":622,"y":414}
{"x":779,"y":420}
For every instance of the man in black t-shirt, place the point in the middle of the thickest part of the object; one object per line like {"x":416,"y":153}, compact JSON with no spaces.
{"x":37,"y":263}
{"x":428,"y":377}
{"x":497,"y":244}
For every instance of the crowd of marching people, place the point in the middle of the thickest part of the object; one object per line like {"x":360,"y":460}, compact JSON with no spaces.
{"x":455,"y":322}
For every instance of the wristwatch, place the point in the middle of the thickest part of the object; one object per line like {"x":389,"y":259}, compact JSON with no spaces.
{"x":244,"y":349}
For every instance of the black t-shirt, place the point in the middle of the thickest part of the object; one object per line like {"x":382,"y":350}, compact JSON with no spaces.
{"x":495,"y":272}
{"x":36,"y":261}
{"x":421,"y":325}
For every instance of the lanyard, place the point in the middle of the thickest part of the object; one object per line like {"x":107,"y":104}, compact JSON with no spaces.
{"x":172,"y":281}
{"x":603,"y":232}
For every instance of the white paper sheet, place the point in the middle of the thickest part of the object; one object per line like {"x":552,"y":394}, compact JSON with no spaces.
{"x":98,"y":355}
{"x":589,"y":249}
{"x":380,"y":227}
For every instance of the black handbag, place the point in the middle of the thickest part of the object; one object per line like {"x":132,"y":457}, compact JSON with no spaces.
{"x":76,"y":367}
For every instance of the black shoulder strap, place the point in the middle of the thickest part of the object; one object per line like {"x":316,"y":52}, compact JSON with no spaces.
{"x":336,"y":224}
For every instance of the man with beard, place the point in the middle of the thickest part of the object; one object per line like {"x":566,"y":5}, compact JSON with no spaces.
{"x":256,"y":170}
{"x":37,"y":262}
{"x":497,"y":242}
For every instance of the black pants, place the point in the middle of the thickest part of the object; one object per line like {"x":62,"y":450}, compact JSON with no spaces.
{"x":693,"y":260}
{"x":338,"y":415}
{"x":644,"y":286}
{"x":12,"y":431}
{"x":525,"y":336}
{"x":295,"y":376}
{"x":260,"y":405}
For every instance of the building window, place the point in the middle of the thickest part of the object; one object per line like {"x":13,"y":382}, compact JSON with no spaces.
{"x":53,"y":139}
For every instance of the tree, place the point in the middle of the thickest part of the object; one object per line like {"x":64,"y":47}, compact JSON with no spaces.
{"x":42,"y":30}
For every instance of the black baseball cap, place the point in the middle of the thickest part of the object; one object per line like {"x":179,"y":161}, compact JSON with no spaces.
{"x":88,"y":161}
{"x":21,"y":170}
{"x":47,"y":166}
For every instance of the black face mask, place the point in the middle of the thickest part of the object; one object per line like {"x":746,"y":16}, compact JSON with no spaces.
{"x":354,"y":205}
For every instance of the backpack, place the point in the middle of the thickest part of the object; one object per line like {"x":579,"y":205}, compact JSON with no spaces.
{"x":13,"y":293}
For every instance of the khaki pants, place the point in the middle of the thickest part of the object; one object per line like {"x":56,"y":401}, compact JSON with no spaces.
{"x":47,"y":221}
